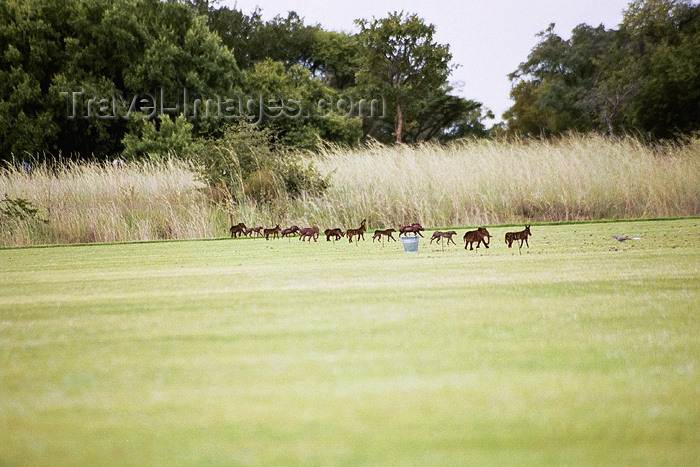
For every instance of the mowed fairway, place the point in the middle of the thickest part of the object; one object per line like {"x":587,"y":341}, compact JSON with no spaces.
{"x":580,"y":351}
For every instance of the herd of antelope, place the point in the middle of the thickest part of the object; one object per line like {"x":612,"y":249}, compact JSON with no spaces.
{"x":480,"y":236}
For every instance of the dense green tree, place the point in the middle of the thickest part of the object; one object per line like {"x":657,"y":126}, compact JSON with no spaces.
{"x":643,"y":77}
{"x":666,"y":37}
{"x":107,"y":50}
{"x":551,"y":90}
{"x":238,"y":32}
{"x":92,"y":78}
{"x":330,"y":56}
{"x":157,"y":139}
{"x":400,"y":60}
{"x":29,"y":44}
{"x":287,"y":101}
{"x":282,"y":39}
{"x":335,"y":58}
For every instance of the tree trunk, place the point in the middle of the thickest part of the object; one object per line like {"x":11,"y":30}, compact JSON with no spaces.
{"x":608,"y":121}
{"x":399,"y":124}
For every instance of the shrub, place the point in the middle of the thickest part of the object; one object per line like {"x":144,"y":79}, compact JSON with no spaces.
{"x":264,"y":185}
{"x":19,"y":212}
{"x":245,"y":162}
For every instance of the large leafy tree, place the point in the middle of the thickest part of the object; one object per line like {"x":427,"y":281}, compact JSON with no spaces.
{"x":329,"y":55}
{"x":286,"y":101}
{"x":665,"y":36}
{"x":643,"y":77}
{"x":551,"y":88}
{"x":104,"y":48}
{"x":118,"y":49}
{"x":400,"y":59}
{"x":285,"y":60}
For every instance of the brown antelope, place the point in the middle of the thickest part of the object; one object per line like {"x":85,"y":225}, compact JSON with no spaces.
{"x":308,"y":232}
{"x":335,"y":233}
{"x":387,"y":233}
{"x":251,"y":230}
{"x":413,"y":228}
{"x":235,"y":230}
{"x":289,"y":231}
{"x":448,"y":235}
{"x":478,"y":236}
{"x":275,"y":231}
{"x":359,"y":232}
{"x":515,"y":236}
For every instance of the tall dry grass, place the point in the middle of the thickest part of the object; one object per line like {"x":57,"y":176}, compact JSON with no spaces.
{"x":94,"y":202}
{"x":487,"y":182}
{"x":471,"y":183}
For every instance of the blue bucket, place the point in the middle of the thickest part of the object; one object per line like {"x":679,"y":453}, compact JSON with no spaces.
{"x":410,"y":244}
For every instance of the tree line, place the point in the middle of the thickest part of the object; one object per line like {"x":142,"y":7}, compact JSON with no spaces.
{"x":78,"y":78}
{"x":642,"y":78}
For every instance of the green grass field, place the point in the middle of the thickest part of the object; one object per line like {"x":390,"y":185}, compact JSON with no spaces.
{"x":580,"y":351}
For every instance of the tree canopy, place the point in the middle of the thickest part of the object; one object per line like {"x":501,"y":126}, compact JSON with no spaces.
{"x":78,"y":77}
{"x":107,"y":78}
{"x":400,"y":59}
{"x":643,"y":77}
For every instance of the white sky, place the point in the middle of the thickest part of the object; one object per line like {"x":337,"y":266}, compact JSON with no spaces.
{"x":487,"y":38}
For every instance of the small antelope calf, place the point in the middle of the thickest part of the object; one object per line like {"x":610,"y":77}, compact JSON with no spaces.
{"x":387,"y":233}
{"x":440,"y":235}
{"x":275,"y":231}
{"x":335,"y":233}
{"x":359,"y":232}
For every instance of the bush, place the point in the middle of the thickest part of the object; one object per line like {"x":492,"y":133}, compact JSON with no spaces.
{"x":300,"y":176}
{"x":245,"y":162}
{"x":18,"y":212}
{"x":264,"y":185}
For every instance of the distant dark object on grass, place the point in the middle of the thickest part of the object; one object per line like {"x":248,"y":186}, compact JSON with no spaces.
{"x":622,"y":239}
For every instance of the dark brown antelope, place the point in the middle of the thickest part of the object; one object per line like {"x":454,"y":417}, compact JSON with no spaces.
{"x":253,"y":230}
{"x":386,"y":233}
{"x":478,"y":236}
{"x":275,"y":231}
{"x":359,"y":233}
{"x":308,"y":232}
{"x":289,"y":231}
{"x":515,"y":236}
{"x":413,"y":228}
{"x":440,"y":235}
{"x":335,"y":233}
